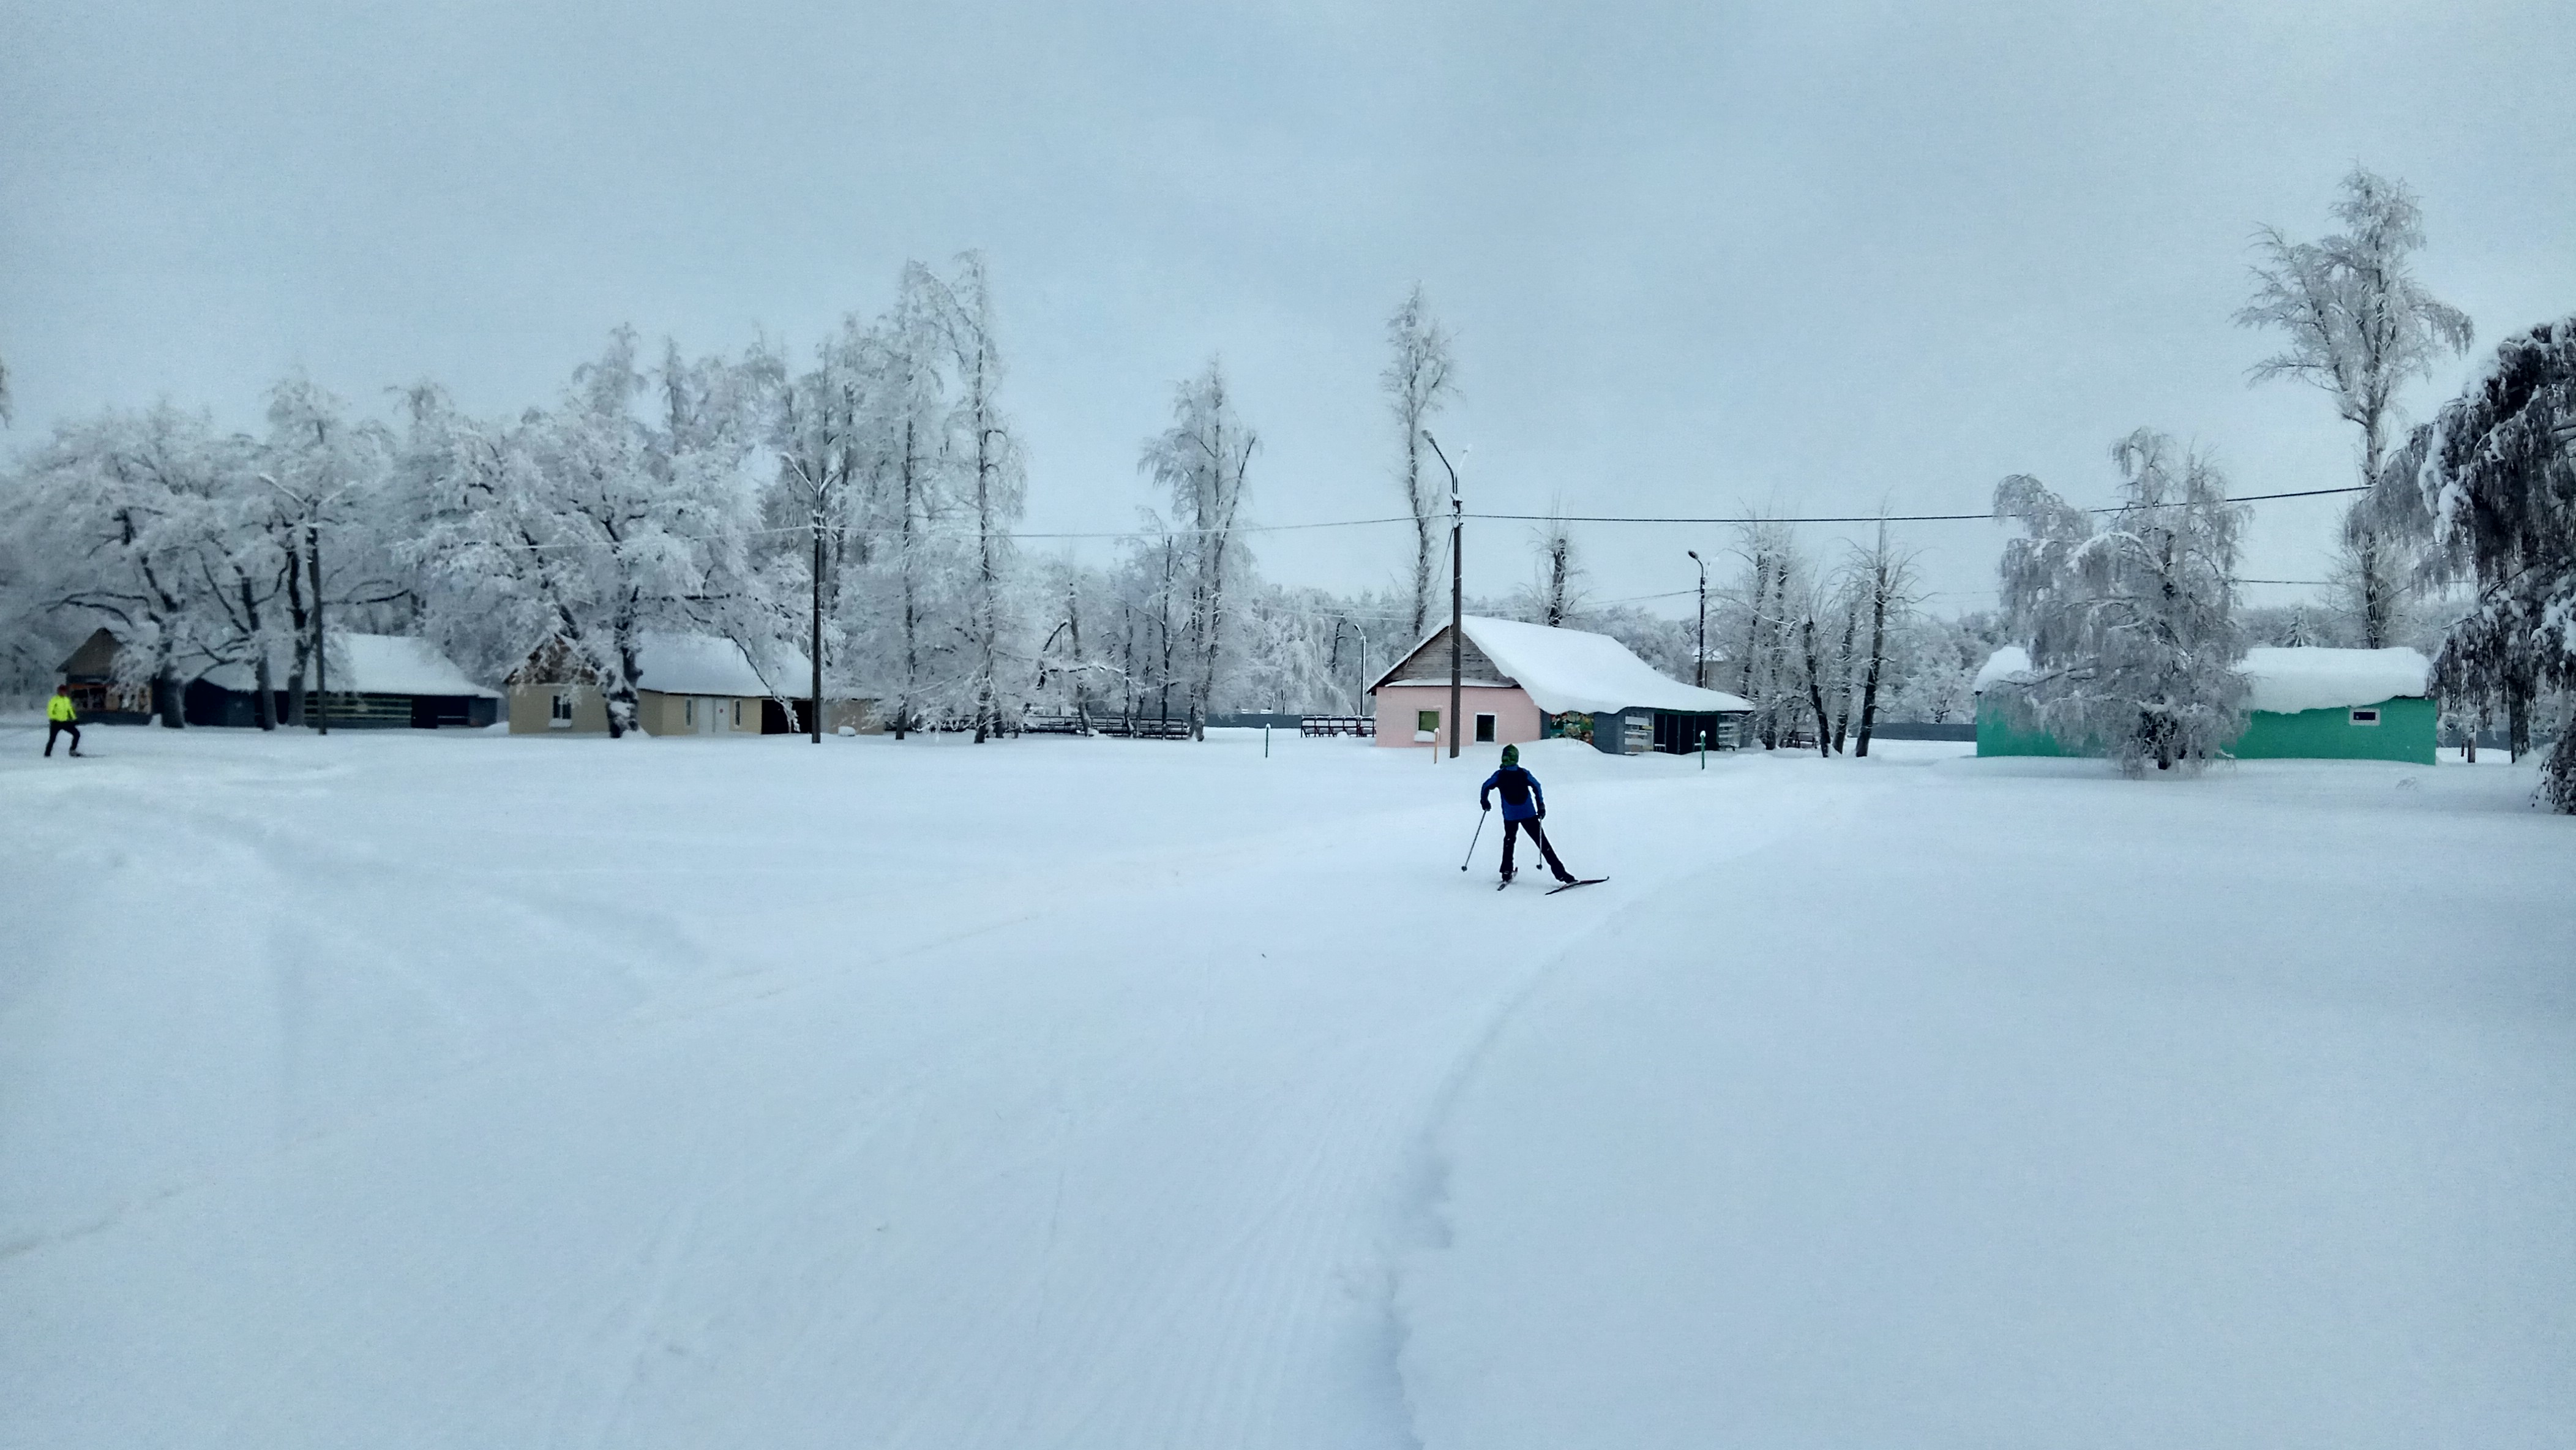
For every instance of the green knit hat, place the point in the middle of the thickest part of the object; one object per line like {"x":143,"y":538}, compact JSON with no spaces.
{"x":1511,"y":755}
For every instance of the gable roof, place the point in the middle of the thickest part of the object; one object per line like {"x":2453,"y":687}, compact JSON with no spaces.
{"x":1576,"y":670}
{"x":364,"y":664}
{"x":695,"y":664}
{"x":666,"y":662}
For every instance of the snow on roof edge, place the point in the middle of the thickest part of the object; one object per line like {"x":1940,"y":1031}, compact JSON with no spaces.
{"x":2284,"y":680}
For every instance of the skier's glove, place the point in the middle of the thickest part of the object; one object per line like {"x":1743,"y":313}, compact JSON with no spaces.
{"x":1542,"y":813}
{"x":1485,"y":805}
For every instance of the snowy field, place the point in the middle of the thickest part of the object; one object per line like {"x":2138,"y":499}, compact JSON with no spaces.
{"x":456,"y":1090}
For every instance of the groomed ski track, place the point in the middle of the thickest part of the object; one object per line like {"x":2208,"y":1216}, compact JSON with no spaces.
{"x":460,"y":1090}
{"x":539,"y":1093}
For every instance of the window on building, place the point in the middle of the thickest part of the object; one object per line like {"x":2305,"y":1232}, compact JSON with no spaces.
{"x":737,"y":714}
{"x":2365,"y":717}
{"x":689,"y":711}
{"x":559,"y":713}
{"x":1426,"y":724}
{"x":1484,"y":729}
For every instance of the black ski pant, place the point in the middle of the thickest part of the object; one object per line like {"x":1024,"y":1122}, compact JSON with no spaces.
{"x":61,"y":727}
{"x":1512,"y":829}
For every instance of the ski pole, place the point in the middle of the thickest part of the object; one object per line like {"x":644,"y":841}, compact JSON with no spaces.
{"x":1472,"y":840}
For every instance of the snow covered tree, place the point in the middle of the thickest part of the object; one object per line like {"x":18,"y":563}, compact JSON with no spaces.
{"x":317,"y":531}
{"x":1556,"y":595}
{"x":1763,"y":616}
{"x":996,"y":489}
{"x":821,"y":432}
{"x":2131,"y":622}
{"x":910,"y":650}
{"x":1201,"y":461}
{"x":1419,"y":382}
{"x":586,"y":526}
{"x":131,"y":514}
{"x":1882,"y":577}
{"x":2492,"y":482}
{"x":2358,"y":326}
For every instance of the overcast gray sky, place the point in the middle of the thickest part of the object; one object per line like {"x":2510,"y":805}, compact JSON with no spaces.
{"x":1805,"y":258}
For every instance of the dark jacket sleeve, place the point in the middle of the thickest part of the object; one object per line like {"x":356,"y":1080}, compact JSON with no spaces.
{"x":1485,"y":792}
{"x":1538,"y":798}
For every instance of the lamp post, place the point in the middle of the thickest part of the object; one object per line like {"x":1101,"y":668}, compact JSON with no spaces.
{"x":1699,"y":652}
{"x":1457,"y":595}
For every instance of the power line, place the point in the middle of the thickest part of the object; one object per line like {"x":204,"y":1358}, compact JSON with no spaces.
{"x":1141,"y":534}
{"x":1861,"y":518}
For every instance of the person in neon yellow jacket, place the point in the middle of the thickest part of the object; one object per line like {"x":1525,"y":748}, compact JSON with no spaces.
{"x":59,"y":718}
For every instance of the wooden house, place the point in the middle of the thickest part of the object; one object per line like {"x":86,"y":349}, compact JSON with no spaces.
{"x":91,"y":673}
{"x":1523,"y":682}
{"x":377,"y":681}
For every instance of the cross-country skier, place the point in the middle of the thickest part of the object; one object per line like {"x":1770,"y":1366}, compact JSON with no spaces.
{"x":1524,"y":806}
{"x":59,"y":718}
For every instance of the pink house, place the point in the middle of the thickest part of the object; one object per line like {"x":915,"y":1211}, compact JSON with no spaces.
{"x":1522,"y":682}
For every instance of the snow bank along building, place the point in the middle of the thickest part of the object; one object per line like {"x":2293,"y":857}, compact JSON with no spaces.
{"x":1524,"y":682}
{"x":686,"y":684}
{"x":2304,"y":703}
{"x":377,"y":681}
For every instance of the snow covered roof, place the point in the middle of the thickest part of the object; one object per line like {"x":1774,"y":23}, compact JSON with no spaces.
{"x":695,"y":664}
{"x":365,"y":664}
{"x":1574,"y":669}
{"x":2284,"y":681}
{"x":2003,"y":664}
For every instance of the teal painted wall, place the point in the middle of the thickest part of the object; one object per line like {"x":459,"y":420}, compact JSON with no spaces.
{"x":1999,"y":736}
{"x":2405,"y":732}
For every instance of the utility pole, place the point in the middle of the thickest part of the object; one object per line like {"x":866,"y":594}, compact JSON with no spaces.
{"x":321,"y":659}
{"x":815,"y":704}
{"x":1457,"y":594}
{"x":1699,"y":652}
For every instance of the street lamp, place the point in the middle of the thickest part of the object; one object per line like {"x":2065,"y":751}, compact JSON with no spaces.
{"x":1457,"y":595}
{"x":1699,"y":655}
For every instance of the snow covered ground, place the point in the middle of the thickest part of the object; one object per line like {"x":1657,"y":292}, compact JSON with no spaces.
{"x":454,"y":1089}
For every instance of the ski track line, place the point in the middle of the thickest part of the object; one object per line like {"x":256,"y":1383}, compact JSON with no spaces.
{"x":1426,"y":1223}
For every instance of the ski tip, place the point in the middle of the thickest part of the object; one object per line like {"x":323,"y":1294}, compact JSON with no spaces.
{"x":1570,"y":885}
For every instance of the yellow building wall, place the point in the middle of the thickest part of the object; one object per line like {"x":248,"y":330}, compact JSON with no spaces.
{"x":532,"y":710}
{"x":662,"y":714}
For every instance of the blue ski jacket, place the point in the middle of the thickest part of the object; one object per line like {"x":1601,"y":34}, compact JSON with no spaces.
{"x":1522,"y":799}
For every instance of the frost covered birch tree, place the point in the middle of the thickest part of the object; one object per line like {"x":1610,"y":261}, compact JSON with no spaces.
{"x":1200,"y":461}
{"x":2358,"y":325}
{"x":995,"y":483}
{"x":1419,"y":382}
{"x":2131,"y":621}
